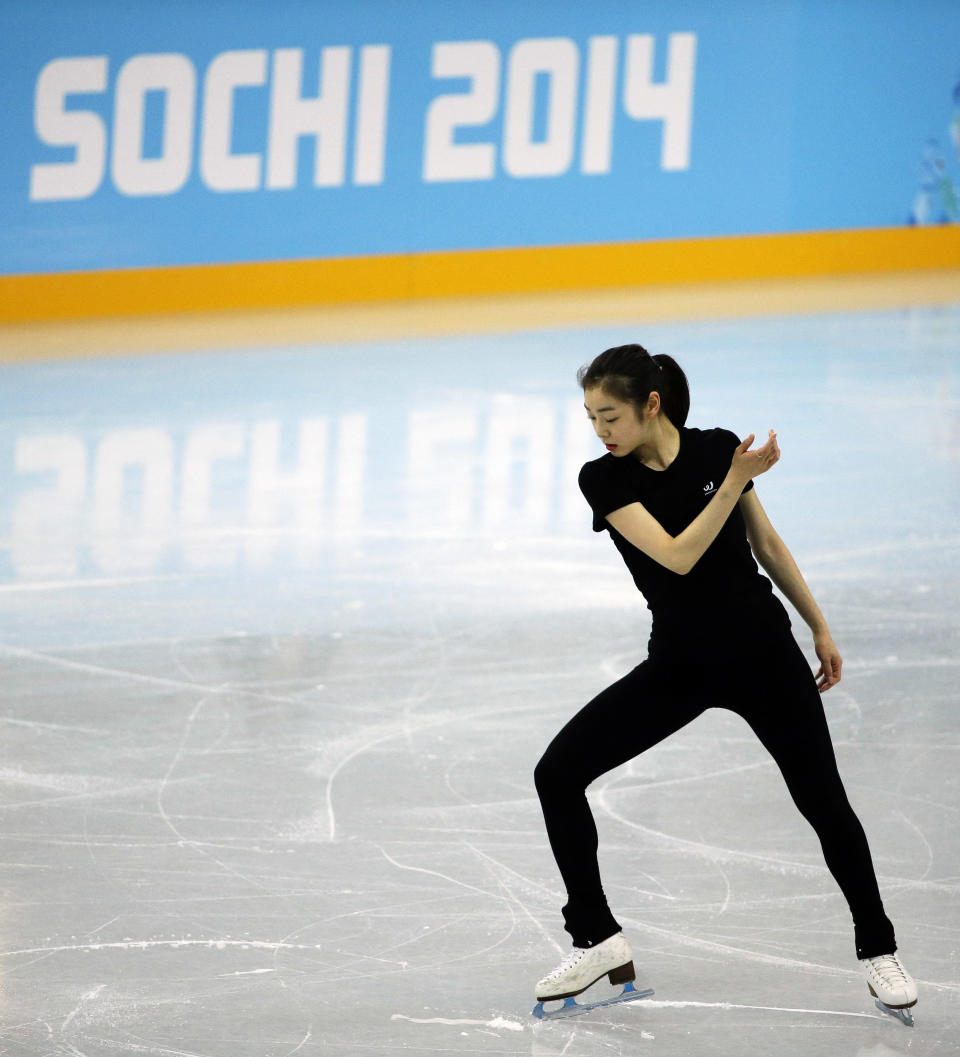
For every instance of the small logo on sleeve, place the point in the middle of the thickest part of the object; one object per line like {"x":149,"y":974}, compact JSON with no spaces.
{"x":709,"y":489}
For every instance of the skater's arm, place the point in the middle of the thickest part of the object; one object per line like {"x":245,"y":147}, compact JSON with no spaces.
{"x":681,"y":553}
{"x":772,"y":553}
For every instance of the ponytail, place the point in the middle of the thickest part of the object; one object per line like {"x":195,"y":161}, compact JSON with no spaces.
{"x":631,"y":374}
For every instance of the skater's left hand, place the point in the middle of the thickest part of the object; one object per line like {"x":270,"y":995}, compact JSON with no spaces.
{"x":830,"y":661}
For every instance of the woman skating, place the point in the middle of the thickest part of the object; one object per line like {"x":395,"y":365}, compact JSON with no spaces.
{"x":680,"y":507}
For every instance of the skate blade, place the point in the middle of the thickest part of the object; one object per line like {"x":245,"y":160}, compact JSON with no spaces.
{"x":572,"y":1008}
{"x":905,"y":1016}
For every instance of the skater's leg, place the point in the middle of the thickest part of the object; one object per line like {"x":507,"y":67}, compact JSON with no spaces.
{"x":641,"y":709}
{"x":785,"y":710}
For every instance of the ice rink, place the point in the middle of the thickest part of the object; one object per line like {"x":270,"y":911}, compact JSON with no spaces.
{"x":285,"y":630}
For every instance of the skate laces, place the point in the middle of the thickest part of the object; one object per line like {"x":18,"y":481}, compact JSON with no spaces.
{"x":889,"y":970}
{"x":568,"y":963}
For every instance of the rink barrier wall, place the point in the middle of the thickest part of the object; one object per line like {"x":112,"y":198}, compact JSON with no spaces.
{"x":394,"y":277}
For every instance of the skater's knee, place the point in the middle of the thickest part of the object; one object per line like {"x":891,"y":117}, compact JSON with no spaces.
{"x":551,"y":774}
{"x":544,"y":774}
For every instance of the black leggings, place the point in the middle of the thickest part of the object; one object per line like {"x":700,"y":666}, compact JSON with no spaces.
{"x":778,"y":697}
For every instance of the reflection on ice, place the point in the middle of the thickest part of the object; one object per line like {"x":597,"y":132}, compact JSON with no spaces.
{"x":221,"y":493}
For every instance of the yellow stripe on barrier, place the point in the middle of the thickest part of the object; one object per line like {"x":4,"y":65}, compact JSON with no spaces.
{"x":342,"y":280}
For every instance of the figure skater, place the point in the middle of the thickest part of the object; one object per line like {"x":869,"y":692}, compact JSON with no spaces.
{"x":680,"y":506}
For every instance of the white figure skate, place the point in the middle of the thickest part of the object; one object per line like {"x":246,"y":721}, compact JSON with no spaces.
{"x":892,"y":986}
{"x":581,"y":969}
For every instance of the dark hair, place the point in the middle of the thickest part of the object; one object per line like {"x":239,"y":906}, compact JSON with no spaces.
{"x":631,"y":374}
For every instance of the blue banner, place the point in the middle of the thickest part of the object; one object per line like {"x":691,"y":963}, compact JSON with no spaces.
{"x":139,"y":134}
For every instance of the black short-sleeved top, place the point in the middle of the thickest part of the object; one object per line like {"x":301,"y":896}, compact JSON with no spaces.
{"x":723,"y":598}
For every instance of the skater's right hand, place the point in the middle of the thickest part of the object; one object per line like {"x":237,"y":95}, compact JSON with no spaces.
{"x":747,"y":464}
{"x":830,"y":661}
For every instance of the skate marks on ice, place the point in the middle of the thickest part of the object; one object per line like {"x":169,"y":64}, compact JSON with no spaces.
{"x":571,"y":1008}
{"x":497,"y":1023}
{"x":500,"y":907}
{"x":548,"y":1041}
{"x":217,"y":844}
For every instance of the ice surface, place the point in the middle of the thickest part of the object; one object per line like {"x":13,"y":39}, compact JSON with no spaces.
{"x":284,"y":633}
